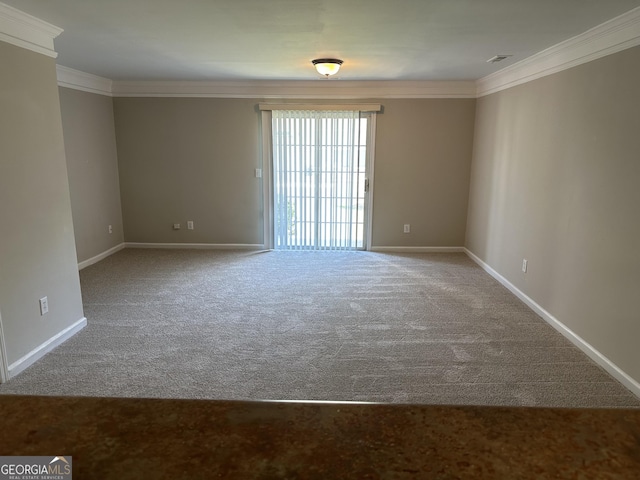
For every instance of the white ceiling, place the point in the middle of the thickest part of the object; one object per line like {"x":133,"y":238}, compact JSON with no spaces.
{"x":277,"y":39}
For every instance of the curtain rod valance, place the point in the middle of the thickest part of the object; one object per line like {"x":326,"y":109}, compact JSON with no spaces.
{"x":361,"y":107}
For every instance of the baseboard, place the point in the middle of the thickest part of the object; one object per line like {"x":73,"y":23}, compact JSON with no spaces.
{"x":4,"y":363}
{"x":197,"y":246}
{"x":578,"y":341}
{"x":100,"y":256}
{"x":33,"y":356}
{"x":417,"y":249}
{"x":251,"y":246}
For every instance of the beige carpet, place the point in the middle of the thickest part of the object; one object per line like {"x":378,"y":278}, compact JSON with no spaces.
{"x":360,"y":326}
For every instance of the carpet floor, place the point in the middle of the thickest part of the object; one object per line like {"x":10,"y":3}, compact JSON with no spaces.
{"x":346,"y":326}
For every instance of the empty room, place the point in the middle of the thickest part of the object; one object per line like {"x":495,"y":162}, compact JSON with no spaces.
{"x":320,"y":239}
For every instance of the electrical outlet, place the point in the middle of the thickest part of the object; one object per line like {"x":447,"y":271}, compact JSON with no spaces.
{"x":176,"y":226}
{"x":190,"y":225}
{"x":258,"y":173}
{"x":407,"y":228}
{"x":524,"y":265}
{"x":110,"y":229}
{"x":44,"y":305}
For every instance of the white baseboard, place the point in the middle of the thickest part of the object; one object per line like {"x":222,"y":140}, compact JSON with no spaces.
{"x":417,"y":249}
{"x":197,"y":246}
{"x":578,"y":341}
{"x":100,"y":256}
{"x":4,"y":363}
{"x":33,"y":356}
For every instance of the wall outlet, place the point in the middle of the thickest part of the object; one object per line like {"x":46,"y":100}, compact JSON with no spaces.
{"x":258,"y":173}
{"x":524,"y":265}
{"x":176,"y":226}
{"x":190,"y":225}
{"x":110,"y":229}
{"x":44,"y":305}
{"x":407,"y":228}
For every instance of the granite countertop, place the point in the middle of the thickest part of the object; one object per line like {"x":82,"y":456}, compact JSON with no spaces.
{"x":119,"y":438}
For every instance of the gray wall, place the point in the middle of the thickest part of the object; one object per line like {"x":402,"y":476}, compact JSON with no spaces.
{"x":422,"y":168}
{"x":37,"y":249}
{"x":555,"y":179}
{"x":189,"y":159}
{"x":92,"y":164}
{"x":194,"y":158}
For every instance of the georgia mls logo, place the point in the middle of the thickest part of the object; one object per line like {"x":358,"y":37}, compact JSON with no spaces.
{"x":63,"y":465}
{"x":36,"y":468}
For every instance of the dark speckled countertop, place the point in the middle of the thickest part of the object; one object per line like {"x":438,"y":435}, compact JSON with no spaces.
{"x":118,"y":438}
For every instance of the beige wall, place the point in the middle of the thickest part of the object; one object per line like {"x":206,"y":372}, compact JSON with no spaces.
{"x":555,"y":179}
{"x":194,"y":159}
{"x":422,"y":168}
{"x":186,"y":159}
{"x":92,"y":164}
{"x":37,"y":249}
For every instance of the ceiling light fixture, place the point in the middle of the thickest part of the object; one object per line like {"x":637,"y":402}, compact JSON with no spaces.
{"x":327,"y":66}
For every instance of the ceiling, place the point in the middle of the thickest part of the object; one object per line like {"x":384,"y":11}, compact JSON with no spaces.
{"x":277,"y":39}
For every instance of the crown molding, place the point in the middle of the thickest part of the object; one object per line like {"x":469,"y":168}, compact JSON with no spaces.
{"x":87,"y":82}
{"x":26,"y":31}
{"x":312,"y":89}
{"x":607,"y":38}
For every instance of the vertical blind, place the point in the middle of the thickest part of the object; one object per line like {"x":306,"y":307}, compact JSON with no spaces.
{"x":319,"y":168}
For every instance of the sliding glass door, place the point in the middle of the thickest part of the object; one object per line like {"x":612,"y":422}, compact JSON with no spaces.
{"x":320,"y":182}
